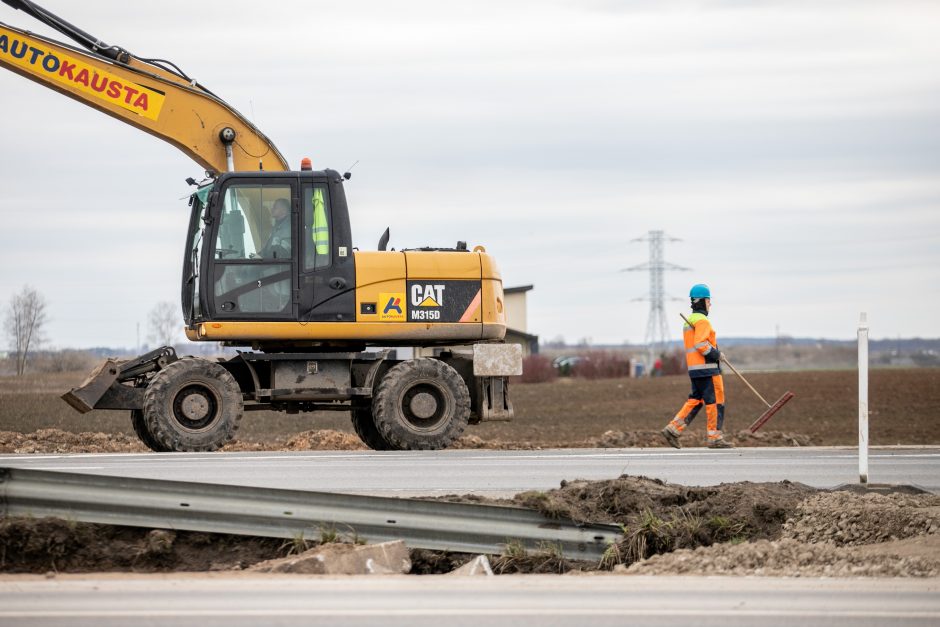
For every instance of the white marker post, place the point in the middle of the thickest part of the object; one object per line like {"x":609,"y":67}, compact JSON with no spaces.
{"x":863,"y":398}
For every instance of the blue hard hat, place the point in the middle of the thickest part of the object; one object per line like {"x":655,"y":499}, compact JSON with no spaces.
{"x":700,"y":290}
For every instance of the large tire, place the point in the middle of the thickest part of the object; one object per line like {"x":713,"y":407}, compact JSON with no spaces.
{"x":143,"y":434}
{"x":421,"y":404}
{"x":192,"y":405}
{"x":364,"y":425}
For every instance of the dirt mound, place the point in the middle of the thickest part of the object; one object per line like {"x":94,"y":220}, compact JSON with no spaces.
{"x":58,"y":441}
{"x":833,"y":534}
{"x":659,"y":517}
{"x":771,"y":438}
{"x":324,"y":440}
{"x":786,"y":558}
{"x":848,"y":519}
{"x":50,"y":544}
{"x":631,"y":439}
{"x":476,"y":442}
{"x":760,"y":509}
{"x":648,"y":439}
{"x":626,"y":439}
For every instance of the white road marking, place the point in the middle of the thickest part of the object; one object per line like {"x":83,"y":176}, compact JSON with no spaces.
{"x":540,"y":611}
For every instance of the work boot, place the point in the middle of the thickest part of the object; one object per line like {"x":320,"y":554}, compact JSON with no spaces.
{"x":719,"y":443}
{"x":672,"y":437}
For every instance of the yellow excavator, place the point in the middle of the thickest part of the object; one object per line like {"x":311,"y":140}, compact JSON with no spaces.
{"x":270,"y":268}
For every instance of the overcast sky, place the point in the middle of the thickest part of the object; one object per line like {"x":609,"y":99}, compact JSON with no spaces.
{"x":793,"y":147}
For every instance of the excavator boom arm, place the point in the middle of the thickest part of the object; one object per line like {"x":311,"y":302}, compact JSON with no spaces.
{"x":143,"y":94}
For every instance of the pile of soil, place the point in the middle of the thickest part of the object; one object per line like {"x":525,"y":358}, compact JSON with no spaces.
{"x":830,"y":534}
{"x":57,"y":441}
{"x":660,"y":517}
{"x":770,"y":529}
{"x":322,"y":440}
{"x":756,"y":509}
{"x":41,"y":545}
{"x":649,"y":439}
{"x":635,"y":439}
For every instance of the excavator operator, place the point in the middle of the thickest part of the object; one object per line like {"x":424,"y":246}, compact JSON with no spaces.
{"x":703,"y":360}
{"x":278,"y":244}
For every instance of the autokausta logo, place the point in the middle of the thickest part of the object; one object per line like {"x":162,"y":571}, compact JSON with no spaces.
{"x":391,"y":307}
{"x":393,"y":304}
{"x":46,"y":64}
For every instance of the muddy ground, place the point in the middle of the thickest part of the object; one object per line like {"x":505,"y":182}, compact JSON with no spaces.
{"x":564,"y":413}
{"x":779,"y":529}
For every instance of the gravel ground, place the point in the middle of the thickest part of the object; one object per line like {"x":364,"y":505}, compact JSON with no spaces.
{"x":830,"y":534}
{"x":848,"y":519}
{"x":785,"y":558}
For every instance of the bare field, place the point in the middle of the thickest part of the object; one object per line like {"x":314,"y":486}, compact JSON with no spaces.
{"x":905,"y":406}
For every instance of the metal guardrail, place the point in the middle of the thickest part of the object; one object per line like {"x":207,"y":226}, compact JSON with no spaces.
{"x":437,"y":525}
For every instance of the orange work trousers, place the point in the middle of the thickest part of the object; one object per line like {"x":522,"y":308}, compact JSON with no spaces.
{"x":707,"y":391}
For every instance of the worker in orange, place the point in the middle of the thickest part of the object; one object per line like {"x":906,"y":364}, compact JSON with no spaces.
{"x":703,"y":360}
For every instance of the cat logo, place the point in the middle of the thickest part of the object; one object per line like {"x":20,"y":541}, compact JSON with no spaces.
{"x":448,"y":300}
{"x":427,"y":295}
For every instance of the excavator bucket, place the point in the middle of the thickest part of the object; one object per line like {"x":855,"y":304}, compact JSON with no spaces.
{"x":103,"y":388}
{"x":84,"y":397}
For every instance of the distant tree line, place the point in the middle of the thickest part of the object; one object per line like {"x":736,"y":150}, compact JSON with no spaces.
{"x":26,"y":318}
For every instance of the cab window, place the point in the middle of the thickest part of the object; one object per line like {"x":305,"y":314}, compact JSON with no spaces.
{"x":253,"y":270}
{"x":256,"y":223}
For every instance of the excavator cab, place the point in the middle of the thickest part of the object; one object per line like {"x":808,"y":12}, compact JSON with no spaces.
{"x":269,"y":247}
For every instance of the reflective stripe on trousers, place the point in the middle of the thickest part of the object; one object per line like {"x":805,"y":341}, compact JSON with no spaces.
{"x":707,"y":391}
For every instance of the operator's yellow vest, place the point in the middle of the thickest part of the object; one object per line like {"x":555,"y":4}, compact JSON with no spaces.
{"x":321,"y":230}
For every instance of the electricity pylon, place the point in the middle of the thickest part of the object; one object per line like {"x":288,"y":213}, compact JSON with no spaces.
{"x":657,"y":328}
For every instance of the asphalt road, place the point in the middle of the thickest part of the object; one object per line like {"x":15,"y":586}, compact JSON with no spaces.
{"x":549,"y":601}
{"x":502,"y":473}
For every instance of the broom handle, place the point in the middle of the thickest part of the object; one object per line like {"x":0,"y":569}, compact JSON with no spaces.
{"x":733,"y":369}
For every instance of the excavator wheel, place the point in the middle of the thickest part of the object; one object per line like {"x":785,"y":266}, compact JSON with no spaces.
{"x":192,"y":405}
{"x":140,"y":428}
{"x":421,"y":404}
{"x":365,"y":428}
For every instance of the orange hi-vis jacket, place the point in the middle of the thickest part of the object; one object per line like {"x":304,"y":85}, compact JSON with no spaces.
{"x":699,"y":341}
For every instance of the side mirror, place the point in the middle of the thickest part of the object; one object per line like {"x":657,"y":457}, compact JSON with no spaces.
{"x":383,"y":241}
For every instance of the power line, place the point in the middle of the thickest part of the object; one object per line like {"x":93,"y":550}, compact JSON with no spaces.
{"x":657,"y":329}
